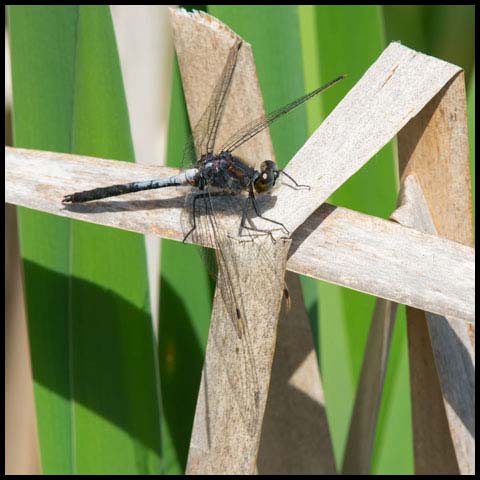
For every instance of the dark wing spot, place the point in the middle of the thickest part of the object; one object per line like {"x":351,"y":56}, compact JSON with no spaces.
{"x":238,"y":313}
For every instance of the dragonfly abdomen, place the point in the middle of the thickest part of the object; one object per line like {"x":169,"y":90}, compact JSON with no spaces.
{"x":186,"y":178}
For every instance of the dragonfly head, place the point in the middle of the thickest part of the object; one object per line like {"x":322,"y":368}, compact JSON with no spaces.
{"x":267,"y":176}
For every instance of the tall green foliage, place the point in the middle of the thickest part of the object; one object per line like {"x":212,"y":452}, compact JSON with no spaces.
{"x":93,"y":356}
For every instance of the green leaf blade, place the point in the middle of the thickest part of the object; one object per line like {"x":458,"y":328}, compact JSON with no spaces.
{"x":86,"y":286}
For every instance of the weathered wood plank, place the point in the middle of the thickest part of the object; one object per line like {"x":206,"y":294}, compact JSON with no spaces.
{"x":432,"y":441}
{"x":335,"y":244}
{"x":387,"y":260}
{"x":39,"y":180}
{"x":295,"y":434}
{"x":442,"y":361}
{"x":236,"y":374}
{"x":453,"y":356}
{"x":202,"y":43}
{"x":441,"y":369}
{"x":434,"y":148}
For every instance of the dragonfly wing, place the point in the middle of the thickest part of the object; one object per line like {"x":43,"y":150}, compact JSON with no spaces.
{"x":247,"y":132}
{"x":212,"y":212}
{"x":204,"y":134}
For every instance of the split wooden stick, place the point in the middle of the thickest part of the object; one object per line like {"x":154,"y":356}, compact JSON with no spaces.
{"x":434,"y":148}
{"x":335,"y":244}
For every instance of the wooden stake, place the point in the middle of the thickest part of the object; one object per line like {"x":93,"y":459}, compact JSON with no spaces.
{"x":220,"y":443}
{"x":434,"y":147}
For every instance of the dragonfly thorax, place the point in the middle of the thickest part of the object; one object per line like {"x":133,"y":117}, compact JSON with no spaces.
{"x":226,"y":172}
{"x":230,"y":173}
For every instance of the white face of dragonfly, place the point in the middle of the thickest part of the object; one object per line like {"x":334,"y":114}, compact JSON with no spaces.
{"x":267,"y":177}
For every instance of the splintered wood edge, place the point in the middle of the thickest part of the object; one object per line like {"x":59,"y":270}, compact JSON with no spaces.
{"x":335,"y":244}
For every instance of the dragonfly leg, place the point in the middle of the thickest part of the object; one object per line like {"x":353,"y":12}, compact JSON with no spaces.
{"x":307,"y":187}
{"x":198,"y":197}
{"x":194,"y":201}
{"x":252,"y":199}
{"x":257,"y":211}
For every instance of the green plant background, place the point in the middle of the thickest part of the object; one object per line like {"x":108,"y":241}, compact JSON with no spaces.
{"x":94,"y":360}
{"x":95,"y":365}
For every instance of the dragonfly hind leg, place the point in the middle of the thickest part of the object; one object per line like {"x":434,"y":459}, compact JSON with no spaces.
{"x":194,"y":201}
{"x":198,"y":196}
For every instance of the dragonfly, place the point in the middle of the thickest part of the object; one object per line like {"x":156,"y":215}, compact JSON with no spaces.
{"x":222,"y":184}
{"x":217,"y":172}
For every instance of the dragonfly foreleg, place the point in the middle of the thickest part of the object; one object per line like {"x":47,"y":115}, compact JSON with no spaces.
{"x":307,"y":187}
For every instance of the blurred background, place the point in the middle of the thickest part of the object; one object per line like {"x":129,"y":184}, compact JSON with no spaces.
{"x":296,"y":48}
